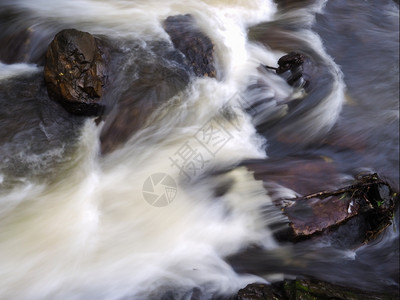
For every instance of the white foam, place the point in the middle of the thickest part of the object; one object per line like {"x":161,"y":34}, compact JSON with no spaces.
{"x":12,"y":70}
{"x":92,"y":234}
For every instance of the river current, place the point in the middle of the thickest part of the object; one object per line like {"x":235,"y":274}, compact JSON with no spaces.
{"x":77,"y":224}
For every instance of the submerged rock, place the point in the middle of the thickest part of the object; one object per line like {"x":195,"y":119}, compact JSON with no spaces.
{"x":15,"y":46}
{"x":156,"y":83}
{"x":304,"y":175}
{"x":41,"y":137}
{"x":75,"y":72}
{"x":195,"y":45}
{"x":15,"y":37}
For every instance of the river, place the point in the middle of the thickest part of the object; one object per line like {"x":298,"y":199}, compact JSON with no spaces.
{"x":77,"y":224}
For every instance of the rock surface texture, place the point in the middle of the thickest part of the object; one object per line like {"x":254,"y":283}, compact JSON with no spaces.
{"x":75,"y":72}
{"x":369,"y":197}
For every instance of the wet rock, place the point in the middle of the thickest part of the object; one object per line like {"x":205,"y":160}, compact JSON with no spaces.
{"x":195,"y":45}
{"x":75,"y":72}
{"x":349,"y":216}
{"x":305,"y":175}
{"x":307,"y":289}
{"x":14,"y":36}
{"x":15,"y":47}
{"x":291,"y":69}
{"x":321,"y":213}
{"x":291,"y":61}
{"x":40,"y":136}
{"x":260,"y":291}
{"x":155,"y":85}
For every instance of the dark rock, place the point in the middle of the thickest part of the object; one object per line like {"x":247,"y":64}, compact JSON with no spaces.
{"x":15,"y":46}
{"x":75,"y":72}
{"x":349,"y":216}
{"x":39,"y":135}
{"x":260,"y":291}
{"x":370,"y":197}
{"x":291,"y":68}
{"x":155,"y":85}
{"x":290,"y":61}
{"x":307,"y":289}
{"x":195,"y":45}
{"x":15,"y":38}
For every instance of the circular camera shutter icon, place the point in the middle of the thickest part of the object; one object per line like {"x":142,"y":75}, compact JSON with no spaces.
{"x":159,"y":189}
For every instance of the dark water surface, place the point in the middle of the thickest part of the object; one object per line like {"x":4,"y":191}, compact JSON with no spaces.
{"x":363,"y":39}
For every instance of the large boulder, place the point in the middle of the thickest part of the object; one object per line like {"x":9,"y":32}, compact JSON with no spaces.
{"x":155,"y":84}
{"x":34,"y":126}
{"x":75,"y":72}
{"x":194,"y":44}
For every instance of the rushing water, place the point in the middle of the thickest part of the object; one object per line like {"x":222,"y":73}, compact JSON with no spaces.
{"x":75,"y":224}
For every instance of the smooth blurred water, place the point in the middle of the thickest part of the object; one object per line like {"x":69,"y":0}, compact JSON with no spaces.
{"x":75,"y":224}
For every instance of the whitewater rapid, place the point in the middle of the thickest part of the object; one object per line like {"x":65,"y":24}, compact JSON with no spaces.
{"x":90,"y":233}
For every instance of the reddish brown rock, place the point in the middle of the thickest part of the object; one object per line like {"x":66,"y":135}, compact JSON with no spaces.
{"x":75,"y":72}
{"x":315,"y":215}
{"x":324,"y":211}
{"x":324,"y":206}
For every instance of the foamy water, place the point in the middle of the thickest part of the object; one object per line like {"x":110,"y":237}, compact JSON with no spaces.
{"x":91,"y":233}
{"x":9,"y":71}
